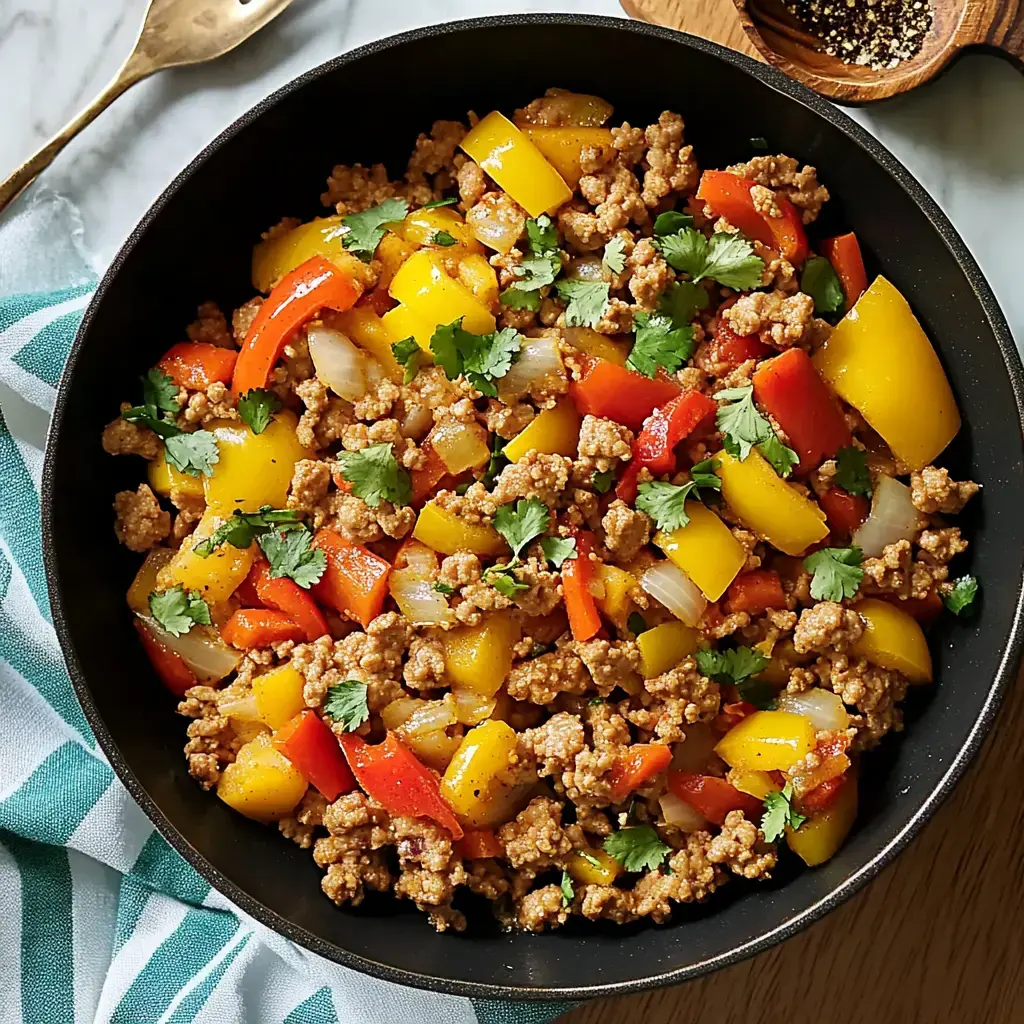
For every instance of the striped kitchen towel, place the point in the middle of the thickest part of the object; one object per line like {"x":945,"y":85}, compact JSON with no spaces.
{"x":102,"y":920}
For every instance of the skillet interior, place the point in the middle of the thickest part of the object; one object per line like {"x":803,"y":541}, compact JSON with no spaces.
{"x":195,"y":244}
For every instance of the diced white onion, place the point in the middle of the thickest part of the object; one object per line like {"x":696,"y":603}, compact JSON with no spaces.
{"x":681,"y":814}
{"x":471,"y":708}
{"x":667,"y":583}
{"x":538,"y":367}
{"x":461,"y":446}
{"x":414,"y":419}
{"x":339,"y":364}
{"x":823,"y":708}
{"x":242,"y":708}
{"x":399,"y":711}
{"x":893,"y":518}
{"x":201,"y":648}
{"x":693,"y":754}
{"x":420,"y":558}
{"x":417,"y":600}
{"x":586,"y":268}
{"x":495,"y":223}
{"x":431,"y":716}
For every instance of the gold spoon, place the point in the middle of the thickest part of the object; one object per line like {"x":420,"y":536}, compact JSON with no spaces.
{"x":174,"y":32}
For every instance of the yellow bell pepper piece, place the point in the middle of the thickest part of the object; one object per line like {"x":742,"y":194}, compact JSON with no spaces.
{"x":441,"y":530}
{"x":879,"y":359}
{"x":261,"y":783}
{"x":705,"y":550}
{"x":216,"y":577}
{"x":278,"y":694}
{"x":166,"y":480}
{"x":472,"y":782}
{"x":392,"y":251}
{"x":274,"y":258}
{"x":663,"y":647}
{"x":368,"y":331}
{"x":563,"y":147}
{"x":767,"y":741}
{"x":420,"y":227}
{"x":401,"y":323}
{"x":818,"y":838}
{"x":555,"y":431}
{"x":754,"y":783}
{"x":479,"y":658}
{"x":586,"y":339}
{"x":480,"y":278}
{"x":894,"y":640}
{"x":783,"y":658}
{"x":516,"y":164}
{"x":145,"y":579}
{"x":253,"y":469}
{"x":767,"y":505}
{"x":604,"y":872}
{"x":614,"y":592}
{"x":422,"y":285}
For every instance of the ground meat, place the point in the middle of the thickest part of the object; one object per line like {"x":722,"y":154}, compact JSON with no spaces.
{"x":603,"y":445}
{"x":325,"y":416}
{"x":614,"y":192}
{"x":534,"y":840}
{"x":242,"y":318}
{"x":541,"y":679}
{"x":460,"y":569}
{"x":310,"y":483}
{"x":649,"y":276}
{"x":123,"y":438}
{"x":617,"y":318}
{"x":778,"y":274}
{"x":497,"y":208}
{"x":778,"y":319}
{"x":141,"y":523}
{"x":875,"y":692}
{"x":611,"y":663}
{"x":932,"y":490}
{"x":749,"y":543}
{"x":559,"y":108}
{"x":217,"y":402}
{"x":535,"y":475}
{"x":477,"y":506}
{"x":377,"y":402}
{"x":212,"y":741}
{"x":357,"y":188}
{"x":626,"y":531}
{"x":827,"y":625}
{"x":685,"y":683}
{"x":542,"y":908}
{"x":671,"y":166}
{"x":429,"y":872}
{"x":358,"y":522}
{"x":784,"y":175}
{"x":555,"y":744}
{"x":435,"y":153}
{"x":765,"y":201}
{"x":301,"y":825}
{"x":741,"y":848}
{"x":210,"y":326}
{"x":426,"y":666}
{"x":357,"y":436}
{"x":508,"y":420}
{"x":941,"y":546}
{"x":896,"y":572}
{"x":472,"y":184}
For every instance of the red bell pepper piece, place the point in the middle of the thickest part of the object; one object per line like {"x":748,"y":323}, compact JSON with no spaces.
{"x":287,"y":596}
{"x":823,"y":796}
{"x":169,"y":666}
{"x":667,"y":426}
{"x":640,"y":763}
{"x":713,"y":797}
{"x":390,"y":774}
{"x":198,"y":364}
{"x":426,"y":479}
{"x":628,"y":485}
{"x":843,"y":252}
{"x":789,"y":388}
{"x":245,"y":592}
{"x":249,"y":628}
{"x":730,"y":349}
{"x":480,"y":843}
{"x":615,"y":393}
{"x":924,"y":609}
{"x":311,"y":746}
{"x":355,"y":582}
{"x":756,"y":592}
{"x":296,"y":298}
{"x":378,"y":300}
{"x":845,"y":511}
{"x":728,"y":195}
{"x":732,"y":714}
{"x":580,"y":606}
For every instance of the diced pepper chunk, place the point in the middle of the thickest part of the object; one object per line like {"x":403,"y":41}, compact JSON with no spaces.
{"x":355,"y":582}
{"x":554,"y":431}
{"x":441,"y":530}
{"x":261,"y":783}
{"x":767,"y":741}
{"x":662,"y":647}
{"x":705,"y":550}
{"x":893,"y":639}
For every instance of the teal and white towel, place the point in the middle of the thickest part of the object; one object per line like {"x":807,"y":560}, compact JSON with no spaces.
{"x":102,"y":921}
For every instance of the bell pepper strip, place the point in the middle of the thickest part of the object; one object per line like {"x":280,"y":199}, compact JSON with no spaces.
{"x":249,"y":628}
{"x":615,"y":393}
{"x":667,"y":426}
{"x":584,"y":618}
{"x":663,"y":646}
{"x":893,"y":639}
{"x":843,"y":252}
{"x":845,"y":511}
{"x":479,"y":843}
{"x":713,"y":797}
{"x":923,"y":609}
{"x":728,"y":195}
{"x":198,"y":364}
{"x":823,"y":833}
{"x":169,"y":666}
{"x":554,"y":431}
{"x":789,"y":388}
{"x":767,"y":741}
{"x":245,"y":592}
{"x":640,"y":763}
{"x":296,"y":298}
{"x":390,"y":774}
{"x":879,"y":359}
{"x":563,"y":147}
{"x":447,"y":533}
{"x":425,"y":479}
{"x":629,"y":484}
{"x":313,"y":749}
{"x":823,"y":796}
{"x":355,"y":582}
{"x":363,"y":325}
{"x":287,"y":596}
{"x":423,"y":286}
{"x":756,"y":591}
{"x":729,"y":350}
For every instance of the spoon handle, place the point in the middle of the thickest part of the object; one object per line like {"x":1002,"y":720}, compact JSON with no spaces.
{"x":1006,"y":32}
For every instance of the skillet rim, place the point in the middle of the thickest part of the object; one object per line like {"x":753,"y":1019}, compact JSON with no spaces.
{"x":778,"y":82}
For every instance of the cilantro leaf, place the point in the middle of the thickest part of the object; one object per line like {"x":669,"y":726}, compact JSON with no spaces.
{"x":703,"y":474}
{"x":366,"y":229}
{"x":521,"y":522}
{"x":659,"y":344}
{"x":636,"y":848}
{"x":536,"y":272}
{"x":614,"y":256}
{"x":245,"y":527}
{"x":852,"y":473}
{"x":837,"y":573}
{"x":587,"y":301}
{"x":567,"y":890}
{"x":498,"y":462}
{"x":960,"y":597}
{"x":481,"y":358}
{"x":730,"y":666}
{"x":665,"y":503}
{"x":636,"y":624}
{"x":743,"y":427}
{"x":541,"y":234}
{"x":178,"y":610}
{"x":682,"y":301}
{"x":819,"y":281}
{"x":516,"y":298}
{"x":194,"y":453}
{"x":159,"y":392}
{"x":256,"y":408}
{"x":782,"y":458}
{"x":602,"y":481}
{"x":376,"y":476}
{"x":435,"y":204}
{"x":291,"y":554}
{"x":759,"y":693}
{"x":440,"y":587}
{"x":670,"y":222}
{"x":346,"y":703}
{"x":504,"y":580}
{"x":443,"y":238}
{"x":409,"y":355}
{"x":558,"y":549}
{"x":165,"y":428}
{"x":726,"y":257}
{"x":589,"y":858}
{"x":778,"y":813}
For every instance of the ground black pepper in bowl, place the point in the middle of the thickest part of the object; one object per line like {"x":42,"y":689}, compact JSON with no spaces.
{"x":876,"y":33}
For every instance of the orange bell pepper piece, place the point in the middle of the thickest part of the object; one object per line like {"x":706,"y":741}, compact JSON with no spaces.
{"x":287,"y":596}
{"x":845,"y":512}
{"x":655,"y":448}
{"x":311,"y":746}
{"x":198,"y":364}
{"x":584,"y":618}
{"x":615,"y":393}
{"x":713,"y":797}
{"x":426,"y":479}
{"x":640,"y":763}
{"x":843,"y":252}
{"x":355,"y":582}
{"x":169,"y":666}
{"x":756,"y":592}
{"x":731,"y":349}
{"x":249,"y":628}
{"x":479,"y":843}
{"x":296,"y":298}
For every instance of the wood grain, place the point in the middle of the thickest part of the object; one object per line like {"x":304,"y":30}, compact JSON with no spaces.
{"x":716,"y":20}
{"x":938,"y":937}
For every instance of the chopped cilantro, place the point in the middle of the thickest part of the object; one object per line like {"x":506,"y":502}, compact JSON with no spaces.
{"x":346,"y":703}
{"x":558,"y":549}
{"x":819,"y":281}
{"x":159,"y":392}
{"x":194,"y":453}
{"x":164,"y":426}
{"x":366,"y":229}
{"x":757,"y":692}
{"x":682,"y":301}
{"x":960,"y":597}
{"x":636,"y":848}
{"x":743,"y":427}
{"x":497,"y":464}
{"x":481,"y":358}
{"x":659,"y":344}
{"x":537,"y":271}
{"x":567,"y":890}
{"x":730,"y":666}
{"x":443,"y":238}
{"x":782,"y":458}
{"x":290,"y":554}
{"x":542,"y":234}
{"x":244,"y":527}
{"x":409,"y":355}
{"x":538,"y":649}
{"x":521,"y":522}
{"x":778,"y":813}
{"x":461,"y":488}
{"x":636,"y":624}
{"x":726,"y":257}
{"x":587,"y":301}
{"x":670,"y":222}
{"x":440,"y":587}
{"x":666,"y":503}
{"x":602,"y":481}
{"x":504,"y":580}
{"x":614,"y":256}
{"x":595,"y":701}
{"x":837,"y":573}
{"x":178,"y":610}
{"x":256,"y":407}
{"x":516,"y":298}
{"x":435,"y":204}
{"x":375,"y":475}
{"x":704,"y":476}
{"x":589,"y":858}
{"x":852,"y":473}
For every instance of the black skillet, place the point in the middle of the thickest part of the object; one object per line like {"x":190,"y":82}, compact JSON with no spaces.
{"x":195,"y":244}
